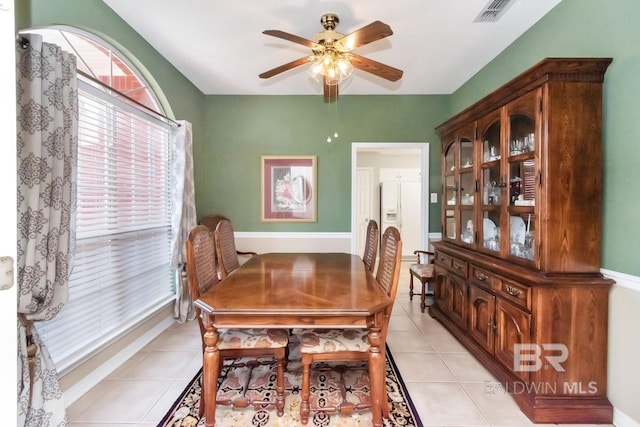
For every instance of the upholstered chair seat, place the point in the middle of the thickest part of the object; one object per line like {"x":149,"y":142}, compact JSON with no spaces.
{"x":332,"y":340}
{"x":422,"y":270}
{"x":252,"y":338}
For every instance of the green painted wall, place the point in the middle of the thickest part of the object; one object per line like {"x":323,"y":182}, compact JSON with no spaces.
{"x":242,"y":128}
{"x":598,"y":29}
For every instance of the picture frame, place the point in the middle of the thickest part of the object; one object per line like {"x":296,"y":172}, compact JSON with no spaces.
{"x":288,"y":189}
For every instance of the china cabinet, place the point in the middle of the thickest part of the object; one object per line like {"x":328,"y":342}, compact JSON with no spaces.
{"x":518,"y":267}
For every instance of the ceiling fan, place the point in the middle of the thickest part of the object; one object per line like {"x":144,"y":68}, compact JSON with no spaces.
{"x":332,"y":54}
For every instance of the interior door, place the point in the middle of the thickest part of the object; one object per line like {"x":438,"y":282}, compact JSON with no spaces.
{"x":364,"y":177}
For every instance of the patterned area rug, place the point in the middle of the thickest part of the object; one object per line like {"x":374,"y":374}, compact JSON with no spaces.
{"x":326,"y":392}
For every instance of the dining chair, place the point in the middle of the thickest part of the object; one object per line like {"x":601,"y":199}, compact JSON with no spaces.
{"x":226,"y":252}
{"x":346,"y":345}
{"x":371,"y":245}
{"x":233,"y":343}
{"x":423,"y":270}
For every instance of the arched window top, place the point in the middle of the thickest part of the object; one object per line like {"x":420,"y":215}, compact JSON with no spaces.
{"x":102,"y":61}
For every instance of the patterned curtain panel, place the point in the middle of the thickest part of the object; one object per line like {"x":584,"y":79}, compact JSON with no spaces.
{"x":183,"y":215}
{"x":47,"y":141}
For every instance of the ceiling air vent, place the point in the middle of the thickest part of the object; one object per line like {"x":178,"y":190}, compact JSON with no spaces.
{"x":494,"y":10}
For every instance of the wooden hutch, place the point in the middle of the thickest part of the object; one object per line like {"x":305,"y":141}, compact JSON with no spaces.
{"x":518,"y":267}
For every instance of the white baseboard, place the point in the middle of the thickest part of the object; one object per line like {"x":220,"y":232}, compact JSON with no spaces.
{"x":92,"y":379}
{"x":263,"y":242}
{"x":620,"y":419}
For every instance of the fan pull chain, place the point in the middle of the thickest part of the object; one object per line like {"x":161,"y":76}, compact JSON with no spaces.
{"x":329,"y":107}
{"x":335,"y":132}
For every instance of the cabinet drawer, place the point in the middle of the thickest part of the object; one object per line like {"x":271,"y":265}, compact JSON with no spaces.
{"x":443,"y":259}
{"x":485,"y":278}
{"x":453,"y":264}
{"x":459,"y":267}
{"x":515,"y":292}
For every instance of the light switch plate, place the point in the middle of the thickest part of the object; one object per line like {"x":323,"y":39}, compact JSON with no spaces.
{"x":6,"y":272}
{"x":434,"y":197}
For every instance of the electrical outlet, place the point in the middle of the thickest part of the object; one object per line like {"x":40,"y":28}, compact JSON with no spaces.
{"x":434,"y":197}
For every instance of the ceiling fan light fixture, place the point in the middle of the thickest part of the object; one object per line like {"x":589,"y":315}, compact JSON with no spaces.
{"x":335,"y":66}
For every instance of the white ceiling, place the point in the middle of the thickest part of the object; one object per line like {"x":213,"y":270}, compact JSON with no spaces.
{"x":220,"y":48}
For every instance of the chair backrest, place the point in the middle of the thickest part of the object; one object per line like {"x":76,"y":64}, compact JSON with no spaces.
{"x":226,"y":248}
{"x":201,"y":265}
{"x":211,"y":221}
{"x":388,"y":273}
{"x":371,"y":245}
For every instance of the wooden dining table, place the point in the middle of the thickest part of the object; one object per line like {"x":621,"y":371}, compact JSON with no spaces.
{"x":296,"y":290}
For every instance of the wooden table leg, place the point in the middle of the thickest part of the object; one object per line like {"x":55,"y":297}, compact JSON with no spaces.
{"x":210,"y":370}
{"x":376,"y":375}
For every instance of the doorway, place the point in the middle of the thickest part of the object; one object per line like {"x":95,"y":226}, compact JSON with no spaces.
{"x":375,"y":162}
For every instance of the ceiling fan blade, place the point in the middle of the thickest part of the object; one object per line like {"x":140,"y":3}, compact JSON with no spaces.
{"x":369,"y":33}
{"x":285,"y":67}
{"x":330,"y":91}
{"x":292,"y":38}
{"x":377,"y":68}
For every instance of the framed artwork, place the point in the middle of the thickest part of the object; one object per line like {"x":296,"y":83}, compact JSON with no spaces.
{"x":289,"y":191}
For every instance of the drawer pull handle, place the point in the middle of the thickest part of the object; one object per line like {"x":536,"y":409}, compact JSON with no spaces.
{"x":481,"y":276}
{"x":512,"y":290}
{"x":457,"y":266}
{"x":442,"y":258}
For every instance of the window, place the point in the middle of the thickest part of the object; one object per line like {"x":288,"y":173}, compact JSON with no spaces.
{"x":122,"y":267}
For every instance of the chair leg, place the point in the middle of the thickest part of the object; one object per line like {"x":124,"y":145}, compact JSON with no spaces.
{"x":423,"y":295}
{"x":280,"y":358}
{"x":410,"y":286}
{"x":305,"y":390}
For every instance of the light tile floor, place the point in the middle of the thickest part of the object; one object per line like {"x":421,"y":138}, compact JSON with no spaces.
{"x":446,"y":383}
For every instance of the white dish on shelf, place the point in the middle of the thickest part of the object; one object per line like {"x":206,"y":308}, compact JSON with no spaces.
{"x":525,"y":203}
{"x":489,"y":229}
{"x":517,"y":229}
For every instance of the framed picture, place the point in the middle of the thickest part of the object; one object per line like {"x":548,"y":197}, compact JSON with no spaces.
{"x":289,"y":191}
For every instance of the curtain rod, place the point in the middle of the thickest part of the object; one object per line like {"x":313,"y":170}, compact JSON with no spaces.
{"x":24,"y":44}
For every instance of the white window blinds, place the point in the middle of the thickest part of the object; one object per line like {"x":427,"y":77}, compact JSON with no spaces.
{"x":121,"y":271}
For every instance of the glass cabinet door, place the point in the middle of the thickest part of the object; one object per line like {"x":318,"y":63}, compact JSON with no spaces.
{"x":523,"y":175}
{"x":491,"y":183}
{"x":459,"y":187}
{"x":467,"y":187}
{"x":449,"y":191}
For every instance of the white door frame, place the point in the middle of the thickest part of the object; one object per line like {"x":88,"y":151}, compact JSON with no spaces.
{"x":360,"y":239}
{"x":424,"y":188}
